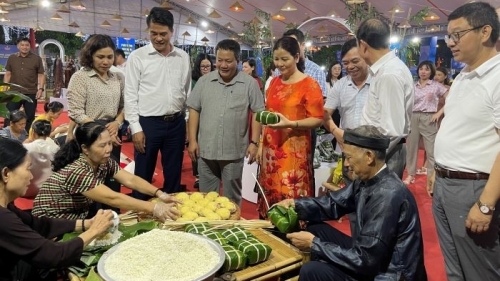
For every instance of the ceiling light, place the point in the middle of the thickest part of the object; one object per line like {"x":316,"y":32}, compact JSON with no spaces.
{"x":105,"y":23}
{"x":288,"y":7}
{"x":350,"y":2}
{"x":236,"y":7}
{"x":186,"y":34}
{"x":4,"y":3}
{"x":190,"y":20}
{"x":214,"y":15}
{"x":333,"y":14}
{"x":45,"y":3}
{"x":79,"y":34}
{"x":204,"y":39}
{"x":56,"y":16}
{"x":124,"y":31}
{"x":63,"y":9}
{"x":38,"y":28}
{"x":77,"y":5}
{"x":165,"y":5}
{"x":431,"y":16}
{"x":396,"y":9}
{"x":3,"y":11}
{"x":278,"y":16}
{"x":4,"y":19}
{"x":404,"y":24}
{"x":209,"y":31}
{"x":204,"y":23}
{"x":229,"y":25}
{"x":306,"y":19}
{"x":74,"y":24}
{"x":290,"y":25}
{"x":434,"y":28}
{"x":117,"y":17}
{"x":145,"y":13}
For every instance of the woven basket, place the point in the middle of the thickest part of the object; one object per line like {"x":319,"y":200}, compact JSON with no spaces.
{"x":236,"y":215}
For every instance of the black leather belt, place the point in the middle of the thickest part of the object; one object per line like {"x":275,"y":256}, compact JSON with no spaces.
{"x":169,"y":117}
{"x":445,"y":173}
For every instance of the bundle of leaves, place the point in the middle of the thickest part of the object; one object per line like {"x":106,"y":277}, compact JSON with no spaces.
{"x":92,"y":254}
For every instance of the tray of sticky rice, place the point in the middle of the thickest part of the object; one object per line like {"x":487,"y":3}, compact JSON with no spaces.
{"x":162,"y":255}
{"x":202,"y":207}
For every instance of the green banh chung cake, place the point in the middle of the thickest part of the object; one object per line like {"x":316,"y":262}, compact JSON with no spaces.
{"x":267,"y":117}
{"x":235,"y":259}
{"x":240,"y":246}
{"x":216,"y":236}
{"x":235,"y":234}
{"x":255,"y":250}
{"x":196,"y":228}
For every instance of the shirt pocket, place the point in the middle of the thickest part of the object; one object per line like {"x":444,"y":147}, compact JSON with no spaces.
{"x":238,"y":100}
{"x":175,"y":80}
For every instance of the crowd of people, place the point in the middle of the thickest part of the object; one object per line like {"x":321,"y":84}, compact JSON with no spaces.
{"x":368,"y":100}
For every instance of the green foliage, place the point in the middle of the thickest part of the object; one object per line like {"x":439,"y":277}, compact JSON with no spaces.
{"x":92,"y":254}
{"x":409,"y":53}
{"x":418,"y":18}
{"x":359,"y":13}
{"x":255,"y":32}
{"x":70,"y":42}
{"x":326,"y":55}
{"x":7,"y":95}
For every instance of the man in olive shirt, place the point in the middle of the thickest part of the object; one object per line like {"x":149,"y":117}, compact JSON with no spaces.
{"x":25,"y":69}
{"x":218,"y":126}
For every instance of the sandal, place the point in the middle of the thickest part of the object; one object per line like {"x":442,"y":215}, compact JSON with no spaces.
{"x":409,"y":180}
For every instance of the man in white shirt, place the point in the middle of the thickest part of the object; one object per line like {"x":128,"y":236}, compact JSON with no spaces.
{"x":120,"y":60}
{"x":390,"y":101}
{"x":467,"y":150}
{"x":157,"y":83}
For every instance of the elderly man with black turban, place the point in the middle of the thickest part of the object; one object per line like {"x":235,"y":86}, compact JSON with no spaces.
{"x":386,"y":243}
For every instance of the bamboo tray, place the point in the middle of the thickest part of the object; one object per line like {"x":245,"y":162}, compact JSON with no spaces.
{"x":284,"y":258}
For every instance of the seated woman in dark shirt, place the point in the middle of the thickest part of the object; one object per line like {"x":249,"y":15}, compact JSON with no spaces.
{"x":25,"y":241}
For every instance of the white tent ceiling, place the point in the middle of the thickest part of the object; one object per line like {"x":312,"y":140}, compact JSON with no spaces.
{"x":28,"y":12}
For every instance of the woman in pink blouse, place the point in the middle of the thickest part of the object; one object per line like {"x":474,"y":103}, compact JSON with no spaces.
{"x":424,"y":118}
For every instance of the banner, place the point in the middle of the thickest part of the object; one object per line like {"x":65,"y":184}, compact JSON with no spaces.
{"x":5,"y":52}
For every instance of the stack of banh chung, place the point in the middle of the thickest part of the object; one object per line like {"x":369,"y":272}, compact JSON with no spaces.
{"x":240,"y":246}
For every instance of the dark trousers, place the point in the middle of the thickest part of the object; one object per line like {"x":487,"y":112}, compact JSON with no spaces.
{"x":169,"y":139}
{"x":25,"y":272}
{"x":29,"y":109}
{"x":320,"y":270}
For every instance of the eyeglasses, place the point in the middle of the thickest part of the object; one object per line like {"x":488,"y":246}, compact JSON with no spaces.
{"x":205,"y":66}
{"x":455,"y":36}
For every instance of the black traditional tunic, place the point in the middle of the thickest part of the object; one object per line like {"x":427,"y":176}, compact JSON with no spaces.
{"x":387,"y":239}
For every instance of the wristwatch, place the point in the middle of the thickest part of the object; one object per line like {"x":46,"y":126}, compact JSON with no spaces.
{"x":41,"y":89}
{"x":485,"y":209}
{"x":254,"y":142}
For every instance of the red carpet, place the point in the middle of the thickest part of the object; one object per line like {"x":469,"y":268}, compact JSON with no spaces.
{"x":433,"y":257}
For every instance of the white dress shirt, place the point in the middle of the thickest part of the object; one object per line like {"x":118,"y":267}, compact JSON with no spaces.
{"x":155,"y":85}
{"x":390,"y":101}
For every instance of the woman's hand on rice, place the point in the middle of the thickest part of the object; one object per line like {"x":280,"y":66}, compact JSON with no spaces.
{"x":164,"y":211}
{"x":102,"y":221}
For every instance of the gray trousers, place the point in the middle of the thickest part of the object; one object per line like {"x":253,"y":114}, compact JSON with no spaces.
{"x":467,"y":256}
{"x":421,"y":125}
{"x":211,"y":172}
{"x":396,"y":160}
